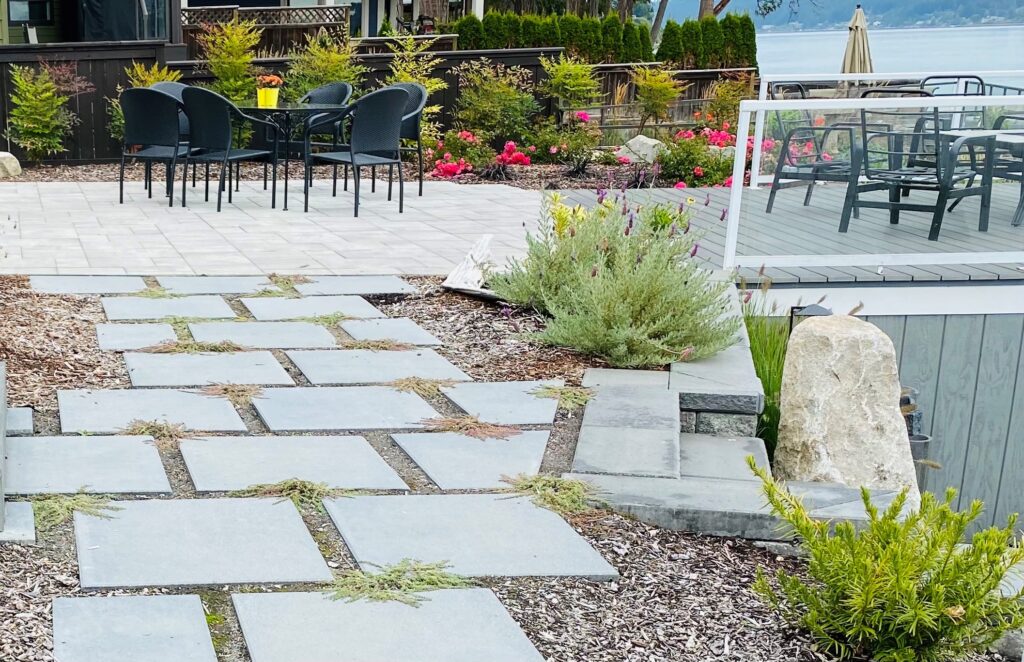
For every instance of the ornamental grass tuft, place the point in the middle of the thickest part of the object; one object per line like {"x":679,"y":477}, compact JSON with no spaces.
{"x":565,"y":496}
{"x":53,"y":510}
{"x":621,"y":284}
{"x":403,"y":582}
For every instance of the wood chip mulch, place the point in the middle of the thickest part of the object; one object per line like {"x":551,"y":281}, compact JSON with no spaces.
{"x":49,"y":343}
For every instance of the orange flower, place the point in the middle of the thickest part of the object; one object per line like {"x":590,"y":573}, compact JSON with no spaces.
{"x":269,"y":80}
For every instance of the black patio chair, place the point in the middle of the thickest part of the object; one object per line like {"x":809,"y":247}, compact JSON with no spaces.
{"x":151,"y":134}
{"x":374,"y":140}
{"x":1008,"y":163}
{"x":213,"y":121}
{"x":411,"y":121}
{"x":175,"y":88}
{"x":903,"y":149}
{"x":334,"y":94}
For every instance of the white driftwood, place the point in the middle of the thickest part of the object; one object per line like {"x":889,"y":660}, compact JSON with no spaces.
{"x":468,"y":276}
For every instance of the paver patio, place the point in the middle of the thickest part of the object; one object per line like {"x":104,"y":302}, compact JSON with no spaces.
{"x":204,"y":369}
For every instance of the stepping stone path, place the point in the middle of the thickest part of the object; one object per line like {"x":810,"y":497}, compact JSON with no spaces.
{"x":19,"y":421}
{"x":204,"y":369}
{"x":136,"y":628}
{"x":18,"y":522}
{"x":220,"y":540}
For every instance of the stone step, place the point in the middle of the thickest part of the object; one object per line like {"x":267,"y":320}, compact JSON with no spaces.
{"x":708,"y":456}
{"x":725,"y":382}
{"x":19,"y":523}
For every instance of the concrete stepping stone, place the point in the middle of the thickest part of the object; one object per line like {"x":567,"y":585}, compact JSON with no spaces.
{"x":492,"y":535}
{"x":122,"y":337}
{"x":360,"y":366}
{"x":203,"y":369}
{"x":87,"y":284}
{"x":216,"y":284}
{"x":144,"y":308}
{"x":264,"y":335}
{"x":505,"y":403}
{"x":101,"y":465}
{"x":453,"y":625}
{"x":341,"y":408}
{"x":720,"y":457}
{"x":234,"y":463}
{"x":355,"y":285}
{"x":627,"y":451}
{"x":19,"y":522}
{"x":595,"y":377}
{"x":103,"y":411}
{"x":458,"y":462}
{"x":633,"y":407}
{"x":131,"y":628}
{"x":197,"y":542}
{"x":400,"y":330}
{"x":270,"y":309}
{"x":19,"y":421}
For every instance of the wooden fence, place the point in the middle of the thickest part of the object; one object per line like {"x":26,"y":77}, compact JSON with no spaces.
{"x":281,"y":27}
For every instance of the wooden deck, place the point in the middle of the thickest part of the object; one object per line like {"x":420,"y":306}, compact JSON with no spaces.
{"x":793,"y":229}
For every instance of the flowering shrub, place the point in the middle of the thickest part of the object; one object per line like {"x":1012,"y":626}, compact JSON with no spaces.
{"x":511,"y":155}
{"x":495,"y":99}
{"x":571,"y":144}
{"x":459,"y":152}
{"x":704,"y":156}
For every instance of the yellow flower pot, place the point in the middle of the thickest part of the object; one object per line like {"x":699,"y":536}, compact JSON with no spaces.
{"x":266,"y":97}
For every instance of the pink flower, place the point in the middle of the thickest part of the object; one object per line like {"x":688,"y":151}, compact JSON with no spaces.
{"x":553,"y":150}
{"x":680,"y":184}
{"x":624,"y":160}
{"x":725,"y":126}
{"x":532,"y":148}
{"x":582,"y":116}
{"x":685,"y":135}
{"x":698,"y":171}
{"x":825,"y":156}
{"x":447,"y":156}
{"x":728,"y":182}
{"x":564,"y":147}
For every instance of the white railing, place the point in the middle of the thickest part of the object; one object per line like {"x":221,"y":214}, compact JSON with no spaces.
{"x":758,"y":109}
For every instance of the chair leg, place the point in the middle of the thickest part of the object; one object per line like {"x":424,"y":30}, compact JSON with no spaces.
{"x":172,"y":168}
{"x":220,"y":185}
{"x":810,"y":188}
{"x":231,"y":177}
{"x":419,"y":153}
{"x":207,"y":181}
{"x":401,"y":189}
{"x":193,"y":174}
{"x":149,"y":178}
{"x":120,"y":180}
{"x":940,"y":210}
{"x":894,"y":200}
{"x":273,"y":182}
{"x":849,"y":207}
{"x":238,"y":174}
{"x":970,"y":183}
{"x":345,"y":183}
{"x":264,"y":175}
{"x":184,"y":180}
{"x":334,"y":180}
{"x":355,"y":180}
{"x":305,"y":186}
{"x":373,"y":179}
{"x":775,"y":186}
{"x":391,"y":176}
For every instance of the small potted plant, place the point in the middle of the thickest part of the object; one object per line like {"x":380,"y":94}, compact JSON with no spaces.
{"x":268,"y":88}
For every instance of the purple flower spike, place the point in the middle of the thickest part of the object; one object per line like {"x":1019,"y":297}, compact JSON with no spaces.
{"x":693,"y":251}
{"x":707,"y":200}
{"x":672,"y":230}
{"x":725,"y":212}
{"x":593,"y":272}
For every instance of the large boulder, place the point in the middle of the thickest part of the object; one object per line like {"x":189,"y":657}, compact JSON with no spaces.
{"x":840,"y":417}
{"x":641,"y":149}
{"x":9,"y":166}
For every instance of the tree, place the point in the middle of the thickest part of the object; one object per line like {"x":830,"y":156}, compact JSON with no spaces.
{"x":632,"y":50}
{"x":670,"y":50}
{"x":713,"y":41}
{"x":611,"y":37}
{"x":716,"y":7}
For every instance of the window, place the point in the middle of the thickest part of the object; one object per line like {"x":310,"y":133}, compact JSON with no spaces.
{"x":35,"y":12}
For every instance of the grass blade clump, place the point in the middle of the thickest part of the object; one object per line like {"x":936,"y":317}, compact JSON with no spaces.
{"x":156,"y":293}
{"x":194,"y":347}
{"x":329,"y":320}
{"x":471,"y":426}
{"x":376,"y":345}
{"x":286,"y":284}
{"x":240,"y":395}
{"x":565,"y":496}
{"x":569,"y":398}
{"x":621,"y":284}
{"x":163,"y":433}
{"x":423,"y":387}
{"x":303,"y":493}
{"x":769,"y":336}
{"x":403,"y":582}
{"x":53,"y":510}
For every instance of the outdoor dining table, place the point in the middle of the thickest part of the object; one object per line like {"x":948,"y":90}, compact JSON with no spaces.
{"x":287,"y":116}
{"x":1007,"y":139}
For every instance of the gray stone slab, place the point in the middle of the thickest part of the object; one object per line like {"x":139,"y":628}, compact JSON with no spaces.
{"x":726,"y":425}
{"x":724,"y":382}
{"x":19,"y":421}
{"x":634,"y":452}
{"x":102,"y":465}
{"x":720,"y":457}
{"x":131,"y":628}
{"x":264,"y":335}
{"x":101,"y":411}
{"x":505,"y":403}
{"x":457,"y":462}
{"x":143,"y":308}
{"x":121,"y":337}
{"x":341,"y":408}
{"x":204,"y":369}
{"x":617,"y":377}
{"x":360,"y":366}
{"x":270,"y":309}
{"x":234,"y":463}
{"x":478,"y":534}
{"x":467,"y":625}
{"x":399,"y":329}
{"x":635,"y":407}
{"x":355,"y":285}
{"x":216,"y":284}
{"x":87,"y":284}
{"x":19,"y":522}
{"x":197,"y":542}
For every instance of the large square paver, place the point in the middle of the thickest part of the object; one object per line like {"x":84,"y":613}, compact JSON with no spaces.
{"x":399,"y":330}
{"x":204,"y":369}
{"x":19,"y":421}
{"x":492,"y":535}
{"x":87,"y":284}
{"x":458,"y":462}
{"x":111,"y":411}
{"x":131,"y":628}
{"x":65,"y":465}
{"x":270,"y":309}
{"x":505,"y":403}
{"x":355,"y":285}
{"x":19,"y":522}
{"x":362,"y":366}
{"x":264,"y":335}
{"x":122,"y":337}
{"x":341,"y":408}
{"x":629,"y":451}
{"x":454,"y":625}
{"x":197,"y":542}
{"x":215,"y":284}
{"x":143,"y":308}
{"x":234,"y":463}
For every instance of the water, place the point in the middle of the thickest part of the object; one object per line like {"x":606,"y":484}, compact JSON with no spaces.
{"x":898,"y":50}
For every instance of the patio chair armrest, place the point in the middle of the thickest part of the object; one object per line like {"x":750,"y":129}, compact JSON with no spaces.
{"x":950,"y":156}
{"x":1002,"y":118}
{"x":256,"y":120}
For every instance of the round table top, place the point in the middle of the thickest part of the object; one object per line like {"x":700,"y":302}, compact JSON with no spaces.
{"x":294,"y":107}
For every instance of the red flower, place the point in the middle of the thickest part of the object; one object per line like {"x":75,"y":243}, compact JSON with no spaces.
{"x":698,"y":172}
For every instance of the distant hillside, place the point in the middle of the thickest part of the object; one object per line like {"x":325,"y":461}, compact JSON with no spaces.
{"x":822,"y":14}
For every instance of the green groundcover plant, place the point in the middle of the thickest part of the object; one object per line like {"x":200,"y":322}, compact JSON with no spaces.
{"x":621,"y":284}
{"x":903,"y":588}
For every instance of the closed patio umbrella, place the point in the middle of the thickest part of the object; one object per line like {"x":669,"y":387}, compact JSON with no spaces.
{"x":857,"y":59}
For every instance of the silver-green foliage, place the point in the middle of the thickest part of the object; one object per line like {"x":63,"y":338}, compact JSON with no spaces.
{"x":620,"y":284}
{"x":901,"y":589}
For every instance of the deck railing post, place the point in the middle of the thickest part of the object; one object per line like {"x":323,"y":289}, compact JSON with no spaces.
{"x":755,"y":159}
{"x":732,"y":231}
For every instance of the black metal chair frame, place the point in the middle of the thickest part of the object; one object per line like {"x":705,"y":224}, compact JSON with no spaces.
{"x":411,"y":129}
{"x":152,"y":123}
